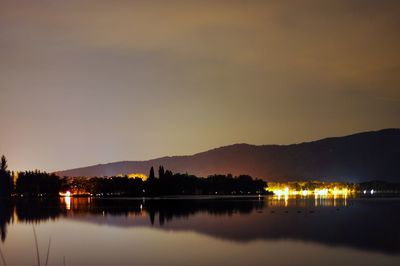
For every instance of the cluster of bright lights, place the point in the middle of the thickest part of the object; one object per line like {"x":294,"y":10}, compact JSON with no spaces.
{"x":317,"y":192}
{"x":336,"y":191}
{"x":321,"y":192}
{"x":280,"y":192}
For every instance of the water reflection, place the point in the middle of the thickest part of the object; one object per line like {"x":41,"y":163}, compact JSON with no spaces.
{"x":368,"y":224}
{"x":308,"y":201}
{"x":6,"y":210}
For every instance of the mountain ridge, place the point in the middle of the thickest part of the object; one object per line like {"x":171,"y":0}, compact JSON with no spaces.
{"x":357,"y":157}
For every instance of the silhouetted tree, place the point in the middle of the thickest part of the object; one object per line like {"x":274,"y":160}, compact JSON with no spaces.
{"x":3,"y":165}
{"x":161,"y":171}
{"x":168,"y":173}
{"x":151,"y":175}
{"x":6,"y":184}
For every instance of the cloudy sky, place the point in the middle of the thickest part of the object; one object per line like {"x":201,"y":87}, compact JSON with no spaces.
{"x":87,"y":82}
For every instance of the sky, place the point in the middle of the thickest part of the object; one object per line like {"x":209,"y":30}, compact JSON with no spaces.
{"x":88,"y":82}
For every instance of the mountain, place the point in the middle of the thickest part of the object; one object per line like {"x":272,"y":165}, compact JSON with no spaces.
{"x":360,"y":157}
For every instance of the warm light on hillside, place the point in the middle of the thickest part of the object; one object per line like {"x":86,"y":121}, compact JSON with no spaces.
{"x":138,"y":175}
{"x":135,"y":175}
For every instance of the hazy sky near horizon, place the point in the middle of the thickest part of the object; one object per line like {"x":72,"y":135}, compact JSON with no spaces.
{"x":87,"y":82}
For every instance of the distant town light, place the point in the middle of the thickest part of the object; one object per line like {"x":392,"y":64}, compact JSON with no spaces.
{"x":323,"y":190}
{"x":286,"y":191}
{"x":67,"y":199}
{"x":66,"y":194}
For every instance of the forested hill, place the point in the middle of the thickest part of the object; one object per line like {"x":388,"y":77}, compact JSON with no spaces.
{"x":354,"y":158}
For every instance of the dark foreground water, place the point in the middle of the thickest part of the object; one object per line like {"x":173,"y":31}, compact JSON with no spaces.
{"x":202,"y":231}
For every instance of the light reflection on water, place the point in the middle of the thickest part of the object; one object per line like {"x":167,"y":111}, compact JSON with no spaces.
{"x":241,"y":231}
{"x":67,"y":202}
{"x":308,"y":201}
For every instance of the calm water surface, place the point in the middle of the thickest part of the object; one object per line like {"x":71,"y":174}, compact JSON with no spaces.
{"x":202,"y":231}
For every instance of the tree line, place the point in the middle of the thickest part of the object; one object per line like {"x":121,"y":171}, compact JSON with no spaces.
{"x":28,"y":183}
{"x":167,"y":183}
{"x":38,"y":183}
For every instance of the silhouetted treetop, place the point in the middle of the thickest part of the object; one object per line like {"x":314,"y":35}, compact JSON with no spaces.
{"x":151,"y":174}
{"x":3,"y":165}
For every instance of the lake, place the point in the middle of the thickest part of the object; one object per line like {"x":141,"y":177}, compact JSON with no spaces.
{"x":202,"y":231}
